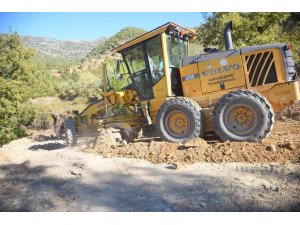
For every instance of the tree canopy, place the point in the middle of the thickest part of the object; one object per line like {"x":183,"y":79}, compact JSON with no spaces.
{"x":252,"y":29}
{"x":20,"y":79}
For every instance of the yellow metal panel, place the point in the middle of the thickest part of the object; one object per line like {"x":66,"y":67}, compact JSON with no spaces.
{"x":133,"y":120}
{"x":263,"y":88}
{"x":257,"y":72}
{"x":212,"y":98}
{"x":160,"y":88}
{"x":227,"y":70}
{"x":283,"y":95}
{"x":260,"y":73}
{"x":190,"y":81}
{"x":155,"y":104}
{"x":278,"y":59}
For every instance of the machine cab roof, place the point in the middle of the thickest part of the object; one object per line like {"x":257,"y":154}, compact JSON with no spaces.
{"x":161,"y":29}
{"x":153,"y":60}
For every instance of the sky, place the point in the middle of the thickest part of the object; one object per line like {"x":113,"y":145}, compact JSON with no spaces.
{"x":89,"y":26}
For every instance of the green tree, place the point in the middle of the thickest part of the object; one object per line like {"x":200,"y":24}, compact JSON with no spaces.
{"x":15,"y":111}
{"x":248,"y":28}
{"x":252,"y":29}
{"x":15,"y":59}
{"x":20,"y":79}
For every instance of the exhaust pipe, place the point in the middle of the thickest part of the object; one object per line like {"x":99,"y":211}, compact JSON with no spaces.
{"x":227,"y":36}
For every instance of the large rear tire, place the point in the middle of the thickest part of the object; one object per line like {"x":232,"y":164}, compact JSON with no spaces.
{"x":70,"y":132}
{"x":243,"y":115}
{"x":180,"y":119}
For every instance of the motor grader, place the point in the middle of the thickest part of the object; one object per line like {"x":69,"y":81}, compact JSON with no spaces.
{"x":234,"y":93}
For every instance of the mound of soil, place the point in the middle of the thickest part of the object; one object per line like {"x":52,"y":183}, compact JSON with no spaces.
{"x":282,"y":146}
{"x":290,"y":113}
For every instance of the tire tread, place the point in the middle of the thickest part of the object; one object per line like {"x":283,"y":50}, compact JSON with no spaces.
{"x":190,"y":104}
{"x":260,"y":99}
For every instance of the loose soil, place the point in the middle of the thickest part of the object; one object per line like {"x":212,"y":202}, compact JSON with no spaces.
{"x":282,"y":146}
{"x":291,"y":113}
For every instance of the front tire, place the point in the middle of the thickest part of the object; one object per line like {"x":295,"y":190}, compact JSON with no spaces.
{"x":70,"y":132}
{"x":243,"y":115}
{"x":180,"y":119}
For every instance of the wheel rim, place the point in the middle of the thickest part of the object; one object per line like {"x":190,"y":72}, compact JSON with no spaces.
{"x":177,"y":123}
{"x":240,"y":119}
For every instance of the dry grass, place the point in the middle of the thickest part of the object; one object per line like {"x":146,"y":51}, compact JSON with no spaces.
{"x":54,"y":105}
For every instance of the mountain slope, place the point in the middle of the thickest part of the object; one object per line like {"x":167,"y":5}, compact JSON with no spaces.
{"x":70,"y":50}
{"x":119,"y":38}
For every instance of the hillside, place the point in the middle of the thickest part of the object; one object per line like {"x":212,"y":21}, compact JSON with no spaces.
{"x":119,"y":38}
{"x":69,"y":50}
{"x":78,"y":50}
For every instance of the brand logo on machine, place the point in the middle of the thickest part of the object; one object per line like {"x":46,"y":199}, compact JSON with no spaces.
{"x":190,"y":77}
{"x":223,"y":62}
{"x":221,"y":70}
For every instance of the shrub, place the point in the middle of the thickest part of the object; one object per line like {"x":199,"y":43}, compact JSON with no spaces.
{"x":21,"y":78}
{"x":42,"y":120}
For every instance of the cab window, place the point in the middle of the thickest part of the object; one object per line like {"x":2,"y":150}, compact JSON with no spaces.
{"x":154,"y":54}
{"x":177,"y":49}
{"x":120,"y":78}
{"x":135,"y":59}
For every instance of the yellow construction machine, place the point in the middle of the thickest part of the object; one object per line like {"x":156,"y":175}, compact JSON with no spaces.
{"x":234,"y":93}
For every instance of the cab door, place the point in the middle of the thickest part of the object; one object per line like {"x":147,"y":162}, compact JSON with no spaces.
{"x":135,"y":59}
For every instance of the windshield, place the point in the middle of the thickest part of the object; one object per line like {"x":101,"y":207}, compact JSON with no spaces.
{"x":135,"y":59}
{"x":118,"y":77}
{"x":177,"y":49}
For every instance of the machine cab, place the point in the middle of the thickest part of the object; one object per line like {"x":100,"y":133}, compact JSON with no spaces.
{"x":153,"y":60}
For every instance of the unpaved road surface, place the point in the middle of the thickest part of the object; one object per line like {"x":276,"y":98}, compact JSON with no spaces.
{"x":37,"y":174}
{"x":47,"y":176}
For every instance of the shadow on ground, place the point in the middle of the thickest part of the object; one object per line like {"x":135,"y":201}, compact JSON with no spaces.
{"x":49,"y":146}
{"x":27,"y":188}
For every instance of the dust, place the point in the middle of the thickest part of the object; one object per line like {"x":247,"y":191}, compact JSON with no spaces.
{"x":284,"y":142}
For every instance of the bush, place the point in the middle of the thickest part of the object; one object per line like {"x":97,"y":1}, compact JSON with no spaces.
{"x":20,"y":79}
{"x":85,"y":85}
{"x":42,"y":120}
{"x":12,"y":116}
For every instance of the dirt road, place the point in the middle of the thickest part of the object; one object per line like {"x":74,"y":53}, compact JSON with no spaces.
{"x":47,"y":176}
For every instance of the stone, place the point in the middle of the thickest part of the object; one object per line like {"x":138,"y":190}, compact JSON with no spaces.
{"x":275,"y":189}
{"x":290,"y":146}
{"x":177,"y":165}
{"x":187,"y":158}
{"x":271,"y":148}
